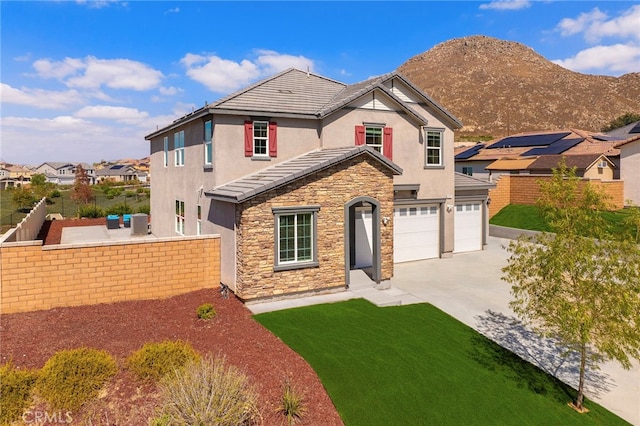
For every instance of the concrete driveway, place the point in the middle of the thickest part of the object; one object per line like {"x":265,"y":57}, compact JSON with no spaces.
{"x":468,"y":287}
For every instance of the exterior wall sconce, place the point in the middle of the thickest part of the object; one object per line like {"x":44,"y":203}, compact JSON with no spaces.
{"x":449,"y":208}
{"x":385,"y":220}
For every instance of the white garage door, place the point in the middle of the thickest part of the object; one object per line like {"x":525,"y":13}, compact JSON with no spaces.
{"x":416,"y":233}
{"x":468,"y":227}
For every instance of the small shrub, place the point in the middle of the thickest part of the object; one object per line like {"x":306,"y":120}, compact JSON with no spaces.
{"x":90,"y":211}
{"x":146,"y":209}
{"x":15,"y":391}
{"x":129,"y":194}
{"x":71,"y":377}
{"x":55,"y":194}
{"x":206,"y":311}
{"x":292,"y":404}
{"x":119,"y":209}
{"x":209,"y":392}
{"x":155,"y":360}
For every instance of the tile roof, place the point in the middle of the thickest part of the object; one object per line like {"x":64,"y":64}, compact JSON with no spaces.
{"x":289,"y":171}
{"x":511,"y":164}
{"x":463,"y":181}
{"x":626,"y":141}
{"x":581,"y":162}
{"x":591,"y":144}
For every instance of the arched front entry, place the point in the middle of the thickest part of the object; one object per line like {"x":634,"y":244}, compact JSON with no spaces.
{"x":350,"y":246}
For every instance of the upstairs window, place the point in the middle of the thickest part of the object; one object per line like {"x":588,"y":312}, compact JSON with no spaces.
{"x":467,"y":170}
{"x":199,"y":222}
{"x":178,"y":148}
{"x":433,"y":147}
{"x":208,"y":146}
{"x":379,"y":138}
{"x":260,"y":139}
{"x":166,"y":151}
{"x":180,"y":217}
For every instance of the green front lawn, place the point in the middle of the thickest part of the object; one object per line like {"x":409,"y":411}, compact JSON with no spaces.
{"x":415,"y":365}
{"x":528,"y":217}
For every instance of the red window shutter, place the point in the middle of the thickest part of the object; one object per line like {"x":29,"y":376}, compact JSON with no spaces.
{"x":387,"y":143}
{"x":359,"y":135}
{"x":248,"y":138}
{"x":273,"y":139}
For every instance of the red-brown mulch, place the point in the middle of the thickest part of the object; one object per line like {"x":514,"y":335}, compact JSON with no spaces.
{"x":29,"y":339}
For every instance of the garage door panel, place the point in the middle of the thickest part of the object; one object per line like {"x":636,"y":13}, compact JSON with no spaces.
{"x":468,"y":227}
{"x":416,"y":233}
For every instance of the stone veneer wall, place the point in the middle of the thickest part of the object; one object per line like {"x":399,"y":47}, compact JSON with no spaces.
{"x":36,"y":277}
{"x":331,"y":189}
{"x":525,"y":189}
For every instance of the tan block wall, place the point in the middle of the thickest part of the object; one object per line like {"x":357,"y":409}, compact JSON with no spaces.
{"x":36,"y":277}
{"x":519,"y":189}
{"x":332,"y":189}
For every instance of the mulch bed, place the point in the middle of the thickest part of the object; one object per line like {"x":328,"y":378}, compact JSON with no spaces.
{"x":29,"y":339}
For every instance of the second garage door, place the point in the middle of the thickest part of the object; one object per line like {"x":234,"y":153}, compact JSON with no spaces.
{"x":468,"y":227}
{"x":416,"y":233}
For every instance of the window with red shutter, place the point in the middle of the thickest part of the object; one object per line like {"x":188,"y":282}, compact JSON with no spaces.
{"x":248,"y":138}
{"x":273,"y":139}
{"x":359,"y":135}
{"x":387,"y":143}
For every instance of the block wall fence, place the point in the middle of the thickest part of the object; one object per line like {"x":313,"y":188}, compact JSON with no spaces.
{"x":525,"y":189}
{"x":36,"y":277}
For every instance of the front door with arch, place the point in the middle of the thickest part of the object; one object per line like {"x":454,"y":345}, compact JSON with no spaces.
{"x":362,"y":236}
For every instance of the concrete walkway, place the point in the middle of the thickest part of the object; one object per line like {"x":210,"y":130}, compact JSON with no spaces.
{"x":468,"y":287}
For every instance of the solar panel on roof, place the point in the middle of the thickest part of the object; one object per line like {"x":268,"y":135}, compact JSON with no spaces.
{"x":636,"y":128}
{"x":117,"y":167}
{"x":557,"y":147}
{"x":469,"y":152}
{"x":529,"y":140}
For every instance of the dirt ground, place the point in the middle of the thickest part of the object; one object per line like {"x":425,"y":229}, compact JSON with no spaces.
{"x":29,"y":339}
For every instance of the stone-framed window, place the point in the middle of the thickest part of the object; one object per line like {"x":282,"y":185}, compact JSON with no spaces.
{"x":295,"y":237}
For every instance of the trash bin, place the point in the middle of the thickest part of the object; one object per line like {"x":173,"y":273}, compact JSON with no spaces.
{"x":113,"y":221}
{"x":127,"y":220}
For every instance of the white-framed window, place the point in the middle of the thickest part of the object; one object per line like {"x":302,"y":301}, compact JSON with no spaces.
{"x":260,"y":138}
{"x":433,"y":147}
{"x":178,"y":148}
{"x":180,"y":217}
{"x":199,"y":222}
{"x":373,"y":138}
{"x":166,"y":151}
{"x":208,"y":145}
{"x":295,"y":237}
{"x":467,"y":170}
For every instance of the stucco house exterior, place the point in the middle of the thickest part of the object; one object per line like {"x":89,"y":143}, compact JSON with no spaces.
{"x":305,"y":178}
{"x":630,"y":168}
{"x":120,"y":173}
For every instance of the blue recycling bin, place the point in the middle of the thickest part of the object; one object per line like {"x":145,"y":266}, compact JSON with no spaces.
{"x":126,"y":219}
{"x":113,"y":221}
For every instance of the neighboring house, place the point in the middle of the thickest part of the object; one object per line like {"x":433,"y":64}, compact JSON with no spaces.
{"x":306,"y":178}
{"x":120,"y":173}
{"x":630,"y":160}
{"x":12,"y":175}
{"x":489,"y":161}
{"x":62,"y":173}
{"x":589,"y":166}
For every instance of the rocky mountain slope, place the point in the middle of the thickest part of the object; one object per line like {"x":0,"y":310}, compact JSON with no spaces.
{"x":497,"y":87}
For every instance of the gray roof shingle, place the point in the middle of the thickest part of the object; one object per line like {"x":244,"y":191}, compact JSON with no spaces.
{"x":289,"y":171}
{"x":463,"y":181}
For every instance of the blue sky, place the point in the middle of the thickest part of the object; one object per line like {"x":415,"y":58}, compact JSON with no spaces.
{"x":87,"y":80}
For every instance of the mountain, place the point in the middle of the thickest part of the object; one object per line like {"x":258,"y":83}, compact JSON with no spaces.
{"x":497,"y":87}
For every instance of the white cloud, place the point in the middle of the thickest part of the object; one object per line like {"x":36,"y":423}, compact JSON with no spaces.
{"x":619,"y":58}
{"x":170,"y":91}
{"x":596,"y":25}
{"x":506,"y":5}
{"x":118,"y":114}
{"x":174,"y":10}
{"x":224,"y":76}
{"x":39,"y":98}
{"x":92,"y":73}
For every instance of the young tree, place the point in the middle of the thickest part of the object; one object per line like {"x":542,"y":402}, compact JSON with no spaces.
{"x":41,"y":188}
{"x":580,"y":285}
{"x":23,"y":198}
{"x":82,"y":191}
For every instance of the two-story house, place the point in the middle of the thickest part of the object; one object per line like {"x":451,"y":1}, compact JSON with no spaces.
{"x":305,"y":178}
{"x":62,"y":173}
